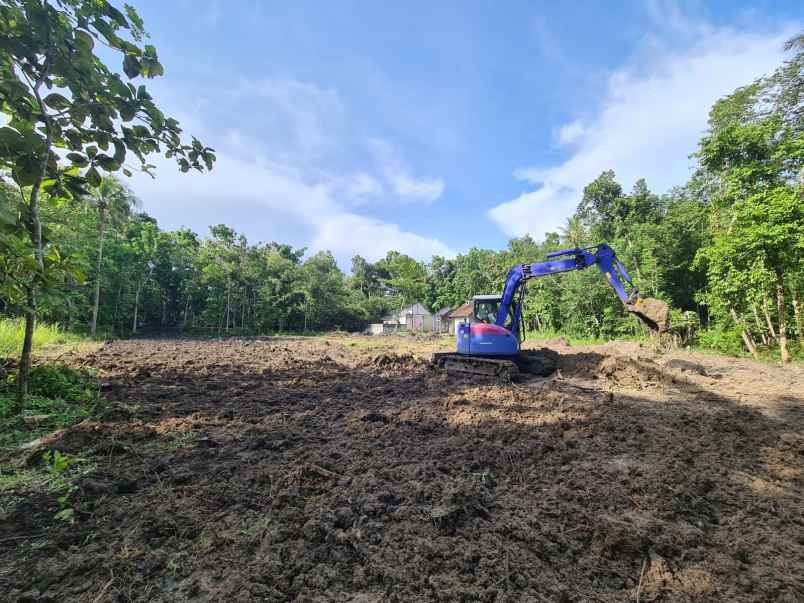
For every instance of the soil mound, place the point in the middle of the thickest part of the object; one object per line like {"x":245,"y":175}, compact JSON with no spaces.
{"x":637,"y":371}
{"x":391,"y":360}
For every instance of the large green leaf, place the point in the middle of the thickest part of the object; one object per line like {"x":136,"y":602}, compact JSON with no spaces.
{"x":77,"y":159}
{"x":8,"y":215}
{"x":115,"y":15}
{"x":119,"y":151}
{"x":84,"y":41}
{"x":26,"y":169}
{"x":57,"y":101}
{"x":93,"y":177}
{"x":131,"y":66}
{"x":10,"y":141}
{"x":107,"y":163}
{"x":151,"y":68}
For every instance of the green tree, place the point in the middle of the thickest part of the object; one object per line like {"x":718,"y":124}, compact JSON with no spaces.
{"x":602,"y":204}
{"x":324,"y":291}
{"x":755,"y":151}
{"x":111,"y":198}
{"x":573,"y":233}
{"x":406,"y":277}
{"x":282,"y":295}
{"x":56,"y":92}
{"x":142,"y":244}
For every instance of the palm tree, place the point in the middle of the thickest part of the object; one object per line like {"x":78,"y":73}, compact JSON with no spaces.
{"x":112,"y":198}
{"x":573,"y":232}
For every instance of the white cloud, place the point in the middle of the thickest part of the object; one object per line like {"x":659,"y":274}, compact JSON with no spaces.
{"x":397,"y":174}
{"x":362,"y":186}
{"x":268,"y":202}
{"x":570,"y":133}
{"x":293,"y":174}
{"x":649,"y":122}
{"x":346,"y":234}
{"x":299,"y":120}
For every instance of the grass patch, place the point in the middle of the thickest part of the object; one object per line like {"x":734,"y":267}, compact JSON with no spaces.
{"x":12,"y":332}
{"x":179,"y":440}
{"x":766,"y":355}
{"x":17,"y":480}
{"x":57,"y":475}
{"x":59,"y":396}
{"x":545,"y":335}
{"x":712,"y":342}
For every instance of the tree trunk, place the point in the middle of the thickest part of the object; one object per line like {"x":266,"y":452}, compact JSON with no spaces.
{"x":35,"y":232}
{"x":771,"y":330}
{"x":186,"y":310}
{"x":228,"y":304}
{"x":27,"y":348}
{"x":99,"y":266}
{"x":136,"y":307}
{"x":243,"y":312}
{"x":797,"y":319}
{"x":116,"y":320}
{"x":759,"y":324}
{"x":747,"y":339}
{"x":782,"y":318}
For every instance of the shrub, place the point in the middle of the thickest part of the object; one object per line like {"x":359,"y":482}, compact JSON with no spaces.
{"x":61,"y":382}
{"x":726,"y":340}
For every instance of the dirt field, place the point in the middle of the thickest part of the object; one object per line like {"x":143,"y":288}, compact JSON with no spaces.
{"x":344,"y":469}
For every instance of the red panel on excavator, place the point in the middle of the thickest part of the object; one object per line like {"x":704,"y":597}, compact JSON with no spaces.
{"x":484,"y":329}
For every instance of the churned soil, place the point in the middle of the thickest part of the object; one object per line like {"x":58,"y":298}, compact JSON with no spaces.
{"x":344,"y":468}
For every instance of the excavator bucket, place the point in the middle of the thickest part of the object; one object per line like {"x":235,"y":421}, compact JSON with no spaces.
{"x":653,"y":312}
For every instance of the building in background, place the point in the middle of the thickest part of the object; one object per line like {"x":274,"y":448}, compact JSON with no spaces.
{"x":441,"y":321}
{"x":414,"y":318}
{"x":458,"y":315}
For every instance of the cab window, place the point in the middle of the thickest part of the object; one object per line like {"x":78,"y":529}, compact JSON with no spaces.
{"x":486,"y":311}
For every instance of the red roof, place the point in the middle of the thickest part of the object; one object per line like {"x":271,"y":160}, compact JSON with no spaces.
{"x":464,"y":311}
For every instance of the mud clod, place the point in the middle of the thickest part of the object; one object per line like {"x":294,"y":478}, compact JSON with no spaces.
{"x":653,"y":312}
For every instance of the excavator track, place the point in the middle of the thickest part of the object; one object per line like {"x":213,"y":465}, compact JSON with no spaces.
{"x":540,"y":363}
{"x":500,"y":368}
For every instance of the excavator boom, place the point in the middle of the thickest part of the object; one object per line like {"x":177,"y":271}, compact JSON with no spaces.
{"x":654,"y":314}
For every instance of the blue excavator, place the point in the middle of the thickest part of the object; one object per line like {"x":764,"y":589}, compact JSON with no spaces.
{"x":489,"y":342}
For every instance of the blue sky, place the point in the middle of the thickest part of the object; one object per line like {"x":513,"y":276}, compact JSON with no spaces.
{"x":432,"y":127}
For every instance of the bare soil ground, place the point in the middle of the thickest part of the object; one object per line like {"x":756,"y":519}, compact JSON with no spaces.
{"x":345,"y":469}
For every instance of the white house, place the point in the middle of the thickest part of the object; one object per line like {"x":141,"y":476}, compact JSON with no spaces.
{"x":412,"y":318}
{"x":458,"y":315}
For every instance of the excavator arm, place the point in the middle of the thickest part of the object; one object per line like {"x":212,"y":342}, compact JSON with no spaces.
{"x":651,"y":311}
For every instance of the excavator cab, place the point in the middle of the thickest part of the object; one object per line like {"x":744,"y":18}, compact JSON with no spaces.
{"x":485,"y":308}
{"x":483,"y":335}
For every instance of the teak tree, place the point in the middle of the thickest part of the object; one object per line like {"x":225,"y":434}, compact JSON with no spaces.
{"x":69,"y":118}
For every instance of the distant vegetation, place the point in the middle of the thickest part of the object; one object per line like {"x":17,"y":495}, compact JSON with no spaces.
{"x":12,"y":332}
